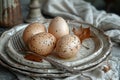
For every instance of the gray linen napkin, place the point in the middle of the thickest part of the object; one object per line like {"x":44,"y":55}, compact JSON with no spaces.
{"x":83,"y":11}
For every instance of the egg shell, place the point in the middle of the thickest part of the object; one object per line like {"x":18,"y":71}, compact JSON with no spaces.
{"x":58,"y":27}
{"x":42,"y":43}
{"x":32,"y":29}
{"x":67,"y":46}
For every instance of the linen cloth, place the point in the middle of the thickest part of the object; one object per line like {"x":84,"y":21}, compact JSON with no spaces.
{"x":84,"y":11}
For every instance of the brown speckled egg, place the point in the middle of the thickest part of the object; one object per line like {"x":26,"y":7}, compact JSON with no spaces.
{"x":58,"y":27}
{"x":42,"y":43}
{"x":32,"y":29}
{"x":67,"y":46}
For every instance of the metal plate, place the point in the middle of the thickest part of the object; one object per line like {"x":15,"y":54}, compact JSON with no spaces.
{"x":94,"y":44}
{"x":84,"y":66}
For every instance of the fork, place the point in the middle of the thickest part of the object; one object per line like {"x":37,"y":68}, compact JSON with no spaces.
{"x":18,"y":45}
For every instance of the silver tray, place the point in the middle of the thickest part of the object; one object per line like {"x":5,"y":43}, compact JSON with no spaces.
{"x":10,"y":56}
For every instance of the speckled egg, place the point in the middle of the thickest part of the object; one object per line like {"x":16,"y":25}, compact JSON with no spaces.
{"x":58,"y":27}
{"x":32,"y":29}
{"x":42,"y":43}
{"x":67,"y":46}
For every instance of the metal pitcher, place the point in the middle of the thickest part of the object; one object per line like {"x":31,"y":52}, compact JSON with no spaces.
{"x":10,"y":13}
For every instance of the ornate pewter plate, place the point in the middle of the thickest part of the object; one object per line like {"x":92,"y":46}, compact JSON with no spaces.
{"x":94,"y":44}
{"x":52,"y":72}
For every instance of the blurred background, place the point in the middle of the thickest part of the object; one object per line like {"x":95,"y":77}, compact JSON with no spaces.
{"x":110,"y":6}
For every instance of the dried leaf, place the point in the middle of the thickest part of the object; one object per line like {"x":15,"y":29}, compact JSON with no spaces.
{"x":106,"y":68}
{"x":82,"y":33}
{"x":33,"y":57}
